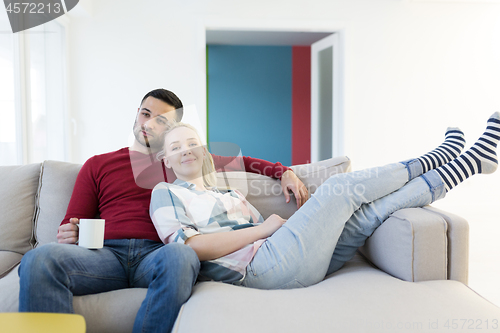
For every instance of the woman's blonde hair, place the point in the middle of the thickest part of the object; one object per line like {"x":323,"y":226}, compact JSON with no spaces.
{"x":208,"y":168}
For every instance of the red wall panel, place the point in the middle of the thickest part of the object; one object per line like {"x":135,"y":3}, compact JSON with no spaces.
{"x":301,"y":104}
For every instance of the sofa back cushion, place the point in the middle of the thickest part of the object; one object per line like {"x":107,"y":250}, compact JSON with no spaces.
{"x":18,"y":187}
{"x":56,"y":186}
{"x":58,"y":179}
{"x":266,"y":193}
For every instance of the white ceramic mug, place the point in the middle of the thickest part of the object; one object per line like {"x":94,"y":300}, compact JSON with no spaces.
{"x":91,"y":233}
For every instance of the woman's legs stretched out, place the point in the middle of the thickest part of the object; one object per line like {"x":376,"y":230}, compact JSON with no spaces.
{"x":480,"y":158}
{"x":419,"y":192}
{"x":298,"y":254}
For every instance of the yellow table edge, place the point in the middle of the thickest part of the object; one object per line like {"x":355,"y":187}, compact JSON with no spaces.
{"x":40,"y":322}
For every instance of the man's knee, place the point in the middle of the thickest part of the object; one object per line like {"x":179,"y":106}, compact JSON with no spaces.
{"x":42,"y":257}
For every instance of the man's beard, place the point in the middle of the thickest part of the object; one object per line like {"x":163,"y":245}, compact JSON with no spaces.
{"x":154,"y":143}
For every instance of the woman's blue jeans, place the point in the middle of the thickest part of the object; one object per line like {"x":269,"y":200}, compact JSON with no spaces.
{"x":51,"y":274}
{"x":326,"y":231}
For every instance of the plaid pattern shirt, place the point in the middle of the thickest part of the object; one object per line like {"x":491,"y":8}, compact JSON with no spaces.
{"x":179,"y":212}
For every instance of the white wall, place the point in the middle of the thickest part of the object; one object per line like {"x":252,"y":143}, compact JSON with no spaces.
{"x":411,"y":69}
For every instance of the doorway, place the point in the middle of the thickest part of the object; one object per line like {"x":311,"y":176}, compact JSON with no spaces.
{"x":275,"y":107}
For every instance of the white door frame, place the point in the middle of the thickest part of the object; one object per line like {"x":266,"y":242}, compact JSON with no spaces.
{"x":332,"y":41}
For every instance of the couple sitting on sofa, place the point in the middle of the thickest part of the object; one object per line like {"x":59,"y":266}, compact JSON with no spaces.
{"x":315,"y":241}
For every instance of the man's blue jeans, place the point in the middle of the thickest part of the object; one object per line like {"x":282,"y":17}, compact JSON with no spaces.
{"x":51,"y":274}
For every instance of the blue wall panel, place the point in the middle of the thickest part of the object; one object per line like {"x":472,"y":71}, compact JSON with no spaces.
{"x":250,"y":99}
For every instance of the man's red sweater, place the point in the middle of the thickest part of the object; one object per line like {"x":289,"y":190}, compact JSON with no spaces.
{"x":117,"y":187}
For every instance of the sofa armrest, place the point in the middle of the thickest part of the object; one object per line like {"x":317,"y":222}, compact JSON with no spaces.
{"x":458,"y":245}
{"x":412,"y":244}
{"x":8,"y":260}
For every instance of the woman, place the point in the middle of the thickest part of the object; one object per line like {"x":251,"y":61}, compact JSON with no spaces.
{"x":300,"y":251}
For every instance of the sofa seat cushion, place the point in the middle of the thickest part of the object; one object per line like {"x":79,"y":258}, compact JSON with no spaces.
{"x":8,"y":260}
{"x":17,"y":204}
{"x":9,"y":291}
{"x":110,"y":312}
{"x":357,"y":298}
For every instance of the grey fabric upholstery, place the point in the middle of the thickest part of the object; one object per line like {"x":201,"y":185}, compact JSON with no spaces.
{"x":18,"y":186}
{"x":458,"y":245}
{"x":266,"y":193}
{"x":9,"y":291}
{"x":357,"y":298}
{"x":57,"y":180}
{"x":120,"y":306}
{"x":8,"y":260}
{"x":412,"y":245}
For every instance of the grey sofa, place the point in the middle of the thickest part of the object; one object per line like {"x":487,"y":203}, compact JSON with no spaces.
{"x":411,"y":275}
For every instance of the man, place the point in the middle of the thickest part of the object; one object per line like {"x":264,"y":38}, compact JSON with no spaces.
{"x":117,"y":187}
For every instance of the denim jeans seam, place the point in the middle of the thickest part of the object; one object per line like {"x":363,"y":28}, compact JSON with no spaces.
{"x":431,"y":187}
{"x":408,"y":169}
{"x":410,"y":175}
{"x":292,"y":280}
{"x":70,"y":302}
{"x":70,"y":294}
{"x":136,"y":279}
{"x":409,"y":200}
{"x":378,"y":219}
{"x":133,"y":279}
{"x":130,"y":252}
{"x":94,"y":276}
{"x":250,"y":267}
{"x":148,"y":308}
{"x":268,"y":269}
{"x":402,"y":204}
{"x":255,"y":274}
{"x":139,"y":252}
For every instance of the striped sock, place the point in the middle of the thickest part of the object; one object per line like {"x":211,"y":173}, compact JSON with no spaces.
{"x":480,"y":158}
{"x":450,"y":149}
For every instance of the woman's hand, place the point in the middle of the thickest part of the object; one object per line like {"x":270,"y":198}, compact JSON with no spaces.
{"x":68,"y":233}
{"x":219,"y":244}
{"x":271,"y":224}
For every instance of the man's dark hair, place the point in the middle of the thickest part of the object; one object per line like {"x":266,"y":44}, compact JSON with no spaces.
{"x":168,"y":97}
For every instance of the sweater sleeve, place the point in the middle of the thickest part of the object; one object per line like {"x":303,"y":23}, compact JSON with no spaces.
{"x":169,"y":216}
{"x":249,"y":164}
{"x":84,"y":201}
